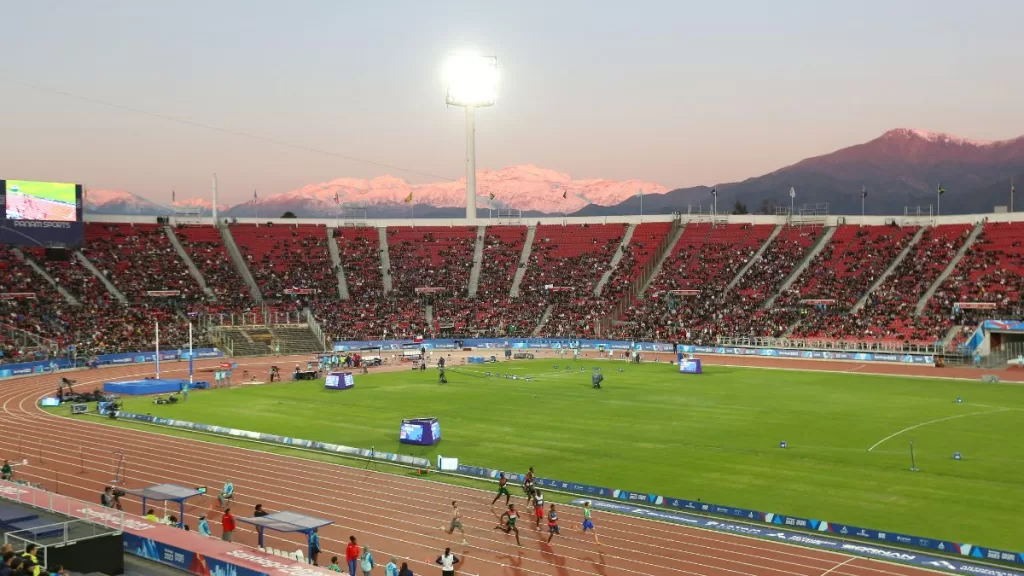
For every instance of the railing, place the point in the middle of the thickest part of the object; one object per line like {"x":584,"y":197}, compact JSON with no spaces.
{"x":27,"y":340}
{"x":827,"y":344}
{"x":314,"y":326}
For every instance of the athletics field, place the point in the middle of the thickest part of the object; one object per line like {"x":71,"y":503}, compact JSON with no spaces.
{"x":713,"y":437}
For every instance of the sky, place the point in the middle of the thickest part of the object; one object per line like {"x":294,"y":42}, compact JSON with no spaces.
{"x":150,"y":96}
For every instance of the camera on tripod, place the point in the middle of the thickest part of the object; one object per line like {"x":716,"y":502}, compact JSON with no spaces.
{"x":441,"y":375}
{"x":596,"y":379}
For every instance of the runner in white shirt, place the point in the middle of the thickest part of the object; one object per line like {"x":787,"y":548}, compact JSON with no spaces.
{"x":456,"y":523}
{"x":447,"y":562}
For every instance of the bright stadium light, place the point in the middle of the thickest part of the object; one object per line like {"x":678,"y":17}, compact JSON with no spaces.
{"x":472,"y":83}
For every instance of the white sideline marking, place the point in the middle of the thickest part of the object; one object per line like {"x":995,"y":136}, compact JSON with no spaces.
{"x":838,"y":566}
{"x":882,"y":441}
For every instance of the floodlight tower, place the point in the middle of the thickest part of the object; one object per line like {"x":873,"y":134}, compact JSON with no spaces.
{"x":472,"y":83}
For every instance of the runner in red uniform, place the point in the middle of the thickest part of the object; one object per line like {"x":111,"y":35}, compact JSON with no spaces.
{"x":508,"y":522}
{"x":538,"y":506}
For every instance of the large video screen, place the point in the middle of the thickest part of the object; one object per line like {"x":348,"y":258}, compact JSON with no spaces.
{"x":48,"y":201}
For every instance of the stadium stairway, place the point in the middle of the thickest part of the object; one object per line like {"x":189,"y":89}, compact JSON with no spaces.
{"x":332,"y":249}
{"x":240,"y":265}
{"x":428,"y":311}
{"x":385,"y":258}
{"x":247,"y":341}
{"x":949,"y":268}
{"x":543,"y":320}
{"x":888,"y":271}
{"x":524,"y":261}
{"x":39,"y":270}
{"x":296,"y":339}
{"x":101,"y":277}
{"x":757,"y":256}
{"x":189,"y":263}
{"x":666,"y":250}
{"x":478,"y":258}
{"x":614,"y":264}
{"x":808,"y":258}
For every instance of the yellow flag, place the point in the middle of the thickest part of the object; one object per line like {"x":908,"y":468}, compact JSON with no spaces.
{"x":408,"y":198}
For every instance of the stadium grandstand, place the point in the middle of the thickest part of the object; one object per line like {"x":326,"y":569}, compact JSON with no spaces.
{"x":873,"y":286}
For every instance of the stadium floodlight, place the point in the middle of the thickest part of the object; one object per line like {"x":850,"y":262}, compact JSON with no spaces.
{"x":472,"y":83}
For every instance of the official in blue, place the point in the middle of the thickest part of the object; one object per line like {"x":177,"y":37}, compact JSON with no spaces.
{"x":204,"y":526}
{"x":314,"y":547}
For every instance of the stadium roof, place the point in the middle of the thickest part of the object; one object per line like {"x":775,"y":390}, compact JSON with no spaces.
{"x":287,"y":522}
{"x":171,"y":492}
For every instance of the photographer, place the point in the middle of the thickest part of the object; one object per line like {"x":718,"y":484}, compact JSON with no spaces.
{"x":111,"y":498}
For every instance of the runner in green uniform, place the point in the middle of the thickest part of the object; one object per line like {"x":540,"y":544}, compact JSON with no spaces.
{"x":588,"y":524}
{"x":502,"y":490}
{"x":7,"y":473}
{"x":508,"y":522}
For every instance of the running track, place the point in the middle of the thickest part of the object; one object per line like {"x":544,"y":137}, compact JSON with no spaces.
{"x":394,"y":515}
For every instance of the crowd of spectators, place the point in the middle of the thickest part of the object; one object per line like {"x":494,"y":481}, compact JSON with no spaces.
{"x":127,"y":254}
{"x":205,"y":247}
{"x":437,"y":258}
{"x":286,"y":261}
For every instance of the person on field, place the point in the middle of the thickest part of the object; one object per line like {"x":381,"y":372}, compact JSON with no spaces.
{"x":508,"y":522}
{"x":552,"y":523}
{"x":314,"y":547}
{"x":392,"y":568}
{"x":228,"y":525}
{"x":334,"y":565}
{"x":588,"y":523}
{"x":447,"y":561}
{"x":456,"y":523}
{"x":227,"y":493}
{"x":502,"y":490}
{"x":352,"y":555}
{"x":366,"y":563}
{"x":538,"y":506}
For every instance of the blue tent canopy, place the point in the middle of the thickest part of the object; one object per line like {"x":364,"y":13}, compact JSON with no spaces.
{"x":288,"y":522}
{"x":166,"y":493}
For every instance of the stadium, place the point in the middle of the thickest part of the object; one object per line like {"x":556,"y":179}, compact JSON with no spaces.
{"x":510,"y":371}
{"x":827,"y":349}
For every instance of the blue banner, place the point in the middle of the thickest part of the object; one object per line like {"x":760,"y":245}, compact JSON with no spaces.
{"x":181,"y":558}
{"x":47,"y":366}
{"x":808,"y":354}
{"x":510,"y":343}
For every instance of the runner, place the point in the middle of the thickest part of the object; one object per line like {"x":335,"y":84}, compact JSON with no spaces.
{"x":528,"y":485}
{"x":588,"y":524}
{"x":552,"y":523}
{"x":456,"y":523}
{"x":538,"y":503}
{"x":508,"y":522}
{"x":502,"y":489}
{"x":7,"y":473}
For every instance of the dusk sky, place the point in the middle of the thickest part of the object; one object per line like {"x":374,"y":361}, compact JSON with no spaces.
{"x":675,"y":92}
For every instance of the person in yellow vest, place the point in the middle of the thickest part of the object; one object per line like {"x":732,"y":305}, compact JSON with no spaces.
{"x":152,"y":517}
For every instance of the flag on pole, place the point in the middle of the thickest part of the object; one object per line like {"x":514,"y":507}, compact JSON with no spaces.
{"x":941,"y":190}
{"x":639,"y":192}
{"x":255,"y":197}
{"x":565,"y":194}
{"x":792,"y":192}
{"x":172,"y":196}
{"x":863,"y":191}
{"x":408,"y":198}
{"x":491,"y":195}
{"x":337,"y":198}
{"x":714,"y":191}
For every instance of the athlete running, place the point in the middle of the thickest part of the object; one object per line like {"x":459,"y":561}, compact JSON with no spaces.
{"x":538,"y":503}
{"x":502,"y":489}
{"x":552,"y":523}
{"x":456,"y":523}
{"x":508,"y":522}
{"x":588,"y":524}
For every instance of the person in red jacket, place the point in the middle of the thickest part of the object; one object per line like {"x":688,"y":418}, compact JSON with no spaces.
{"x":228,"y":524}
{"x":352,"y":555}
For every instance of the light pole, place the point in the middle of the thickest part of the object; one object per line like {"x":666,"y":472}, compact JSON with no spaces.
{"x":472,"y":84}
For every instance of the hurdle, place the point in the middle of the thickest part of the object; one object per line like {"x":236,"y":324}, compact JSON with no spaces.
{"x":118,"y":461}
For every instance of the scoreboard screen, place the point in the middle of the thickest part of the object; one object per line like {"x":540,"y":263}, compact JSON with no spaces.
{"x":43,"y":214}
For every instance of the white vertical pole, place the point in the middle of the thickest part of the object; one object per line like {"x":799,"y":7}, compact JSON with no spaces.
{"x":1012,"y":190}
{"x":190,"y":353}
{"x":158,"y":350}
{"x":938,"y":200}
{"x":214,"y":208}
{"x":470,"y":164}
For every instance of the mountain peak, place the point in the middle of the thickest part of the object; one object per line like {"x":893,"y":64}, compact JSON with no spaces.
{"x":937,"y":137}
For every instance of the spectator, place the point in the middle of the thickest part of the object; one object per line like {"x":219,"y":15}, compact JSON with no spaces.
{"x":107,"y":498}
{"x":228,"y":526}
{"x":352,"y":555}
{"x":366,"y":561}
{"x":259,"y":512}
{"x":447,"y":561}
{"x":152,"y":517}
{"x":392,"y":568}
{"x":334,"y":565}
{"x":404,"y":570}
{"x":5,"y":568}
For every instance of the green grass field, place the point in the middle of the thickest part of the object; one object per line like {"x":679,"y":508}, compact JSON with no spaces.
{"x":714,"y":437}
{"x":56,"y":191}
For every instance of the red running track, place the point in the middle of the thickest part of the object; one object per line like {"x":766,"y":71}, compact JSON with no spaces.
{"x":394,"y":515}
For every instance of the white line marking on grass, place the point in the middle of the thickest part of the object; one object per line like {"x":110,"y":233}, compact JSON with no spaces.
{"x":838,"y":566}
{"x":936,"y":421}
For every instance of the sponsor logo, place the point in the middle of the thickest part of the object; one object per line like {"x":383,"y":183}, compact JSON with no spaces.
{"x":879,"y":552}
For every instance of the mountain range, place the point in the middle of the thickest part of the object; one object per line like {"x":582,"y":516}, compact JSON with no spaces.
{"x":901,"y":168}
